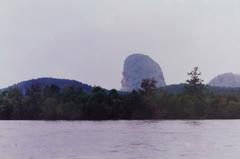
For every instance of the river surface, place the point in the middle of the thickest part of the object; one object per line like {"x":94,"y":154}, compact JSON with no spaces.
{"x":207,"y":139}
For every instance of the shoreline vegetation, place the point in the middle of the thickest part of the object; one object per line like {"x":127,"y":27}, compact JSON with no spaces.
{"x":50,"y":102}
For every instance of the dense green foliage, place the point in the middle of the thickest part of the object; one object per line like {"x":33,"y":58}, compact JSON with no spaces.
{"x":51,"y":103}
{"x":71,"y":103}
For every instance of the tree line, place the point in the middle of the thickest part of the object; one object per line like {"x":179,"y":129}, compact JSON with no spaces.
{"x":71,"y":103}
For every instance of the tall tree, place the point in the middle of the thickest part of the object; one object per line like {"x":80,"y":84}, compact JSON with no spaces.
{"x":149,"y":86}
{"x":195,"y":83}
{"x":194,"y":89}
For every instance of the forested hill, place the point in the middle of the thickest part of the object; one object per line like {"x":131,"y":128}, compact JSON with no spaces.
{"x":43,"y":82}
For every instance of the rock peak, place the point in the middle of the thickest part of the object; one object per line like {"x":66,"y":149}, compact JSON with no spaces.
{"x":138,"y":67}
{"x":226,"y":80}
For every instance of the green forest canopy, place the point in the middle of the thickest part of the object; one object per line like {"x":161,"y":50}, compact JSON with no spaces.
{"x":196,"y":101}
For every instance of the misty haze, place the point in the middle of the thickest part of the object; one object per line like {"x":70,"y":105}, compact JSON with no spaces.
{"x":129,"y":79}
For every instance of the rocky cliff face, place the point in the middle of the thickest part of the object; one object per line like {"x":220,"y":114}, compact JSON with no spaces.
{"x":138,"y":67}
{"x":226,"y":80}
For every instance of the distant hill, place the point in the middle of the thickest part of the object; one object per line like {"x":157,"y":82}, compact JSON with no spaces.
{"x":226,"y":80}
{"x":180,"y":88}
{"x":61,"y":83}
{"x":176,"y":88}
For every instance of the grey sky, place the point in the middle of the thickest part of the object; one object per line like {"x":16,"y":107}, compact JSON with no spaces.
{"x":88,"y":40}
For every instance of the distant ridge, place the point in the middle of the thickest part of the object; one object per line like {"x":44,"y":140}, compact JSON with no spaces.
{"x":227,"y":80}
{"x":180,"y":88}
{"x":61,"y":83}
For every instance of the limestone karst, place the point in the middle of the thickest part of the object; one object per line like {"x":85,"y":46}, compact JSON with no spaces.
{"x":138,"y":67}
{"x":226,"y":80}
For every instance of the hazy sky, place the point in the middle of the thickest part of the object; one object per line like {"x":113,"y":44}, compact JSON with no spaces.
{"x":88,"y":40}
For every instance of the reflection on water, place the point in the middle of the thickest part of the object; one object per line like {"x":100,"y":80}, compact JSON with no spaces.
{"x":194,"y":122}
{"x":120,"y":139}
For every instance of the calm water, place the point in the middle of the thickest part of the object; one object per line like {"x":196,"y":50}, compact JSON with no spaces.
{"x":216,"y":139}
